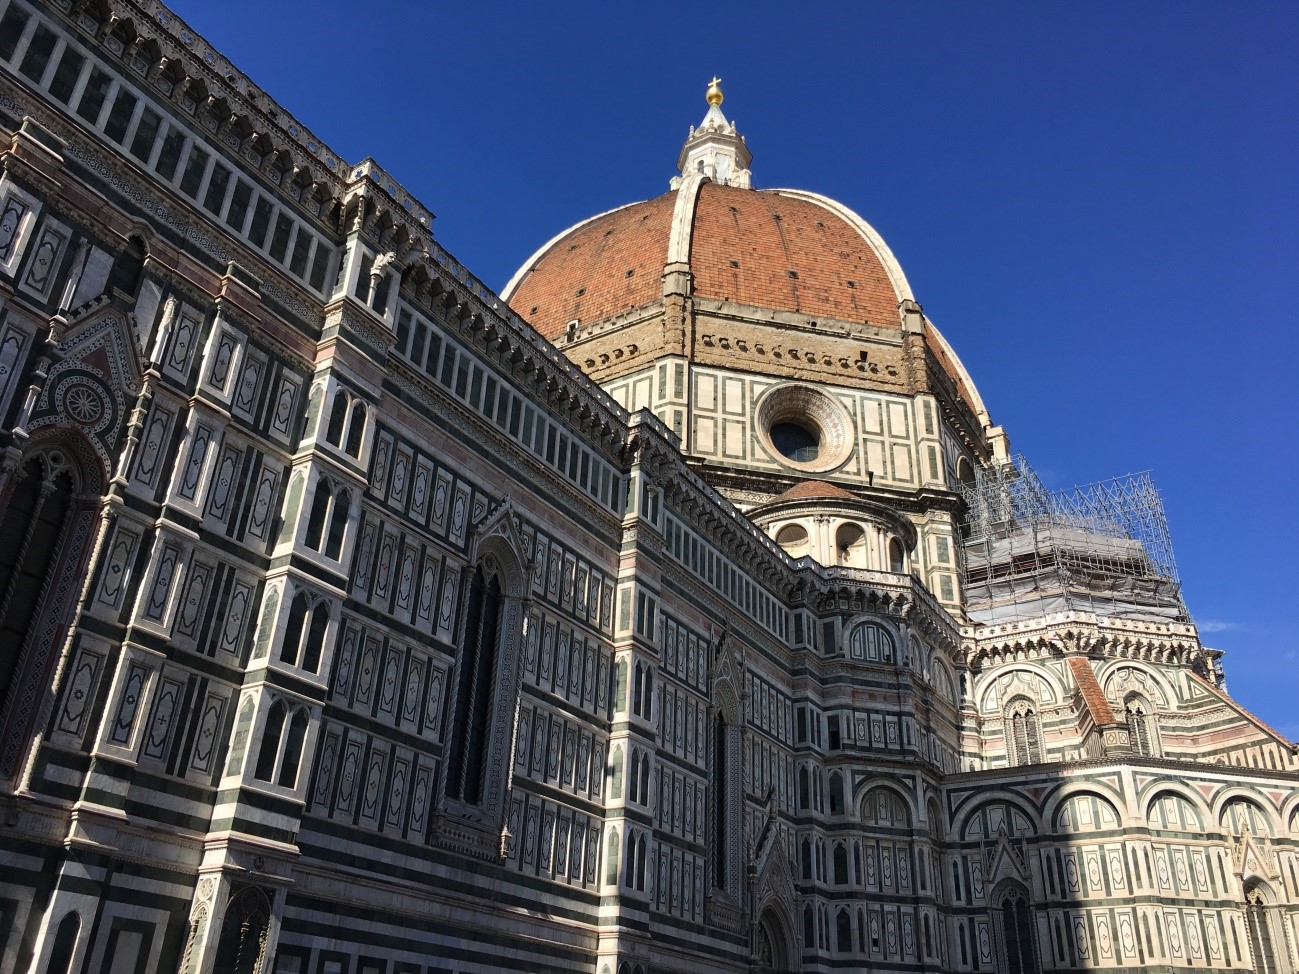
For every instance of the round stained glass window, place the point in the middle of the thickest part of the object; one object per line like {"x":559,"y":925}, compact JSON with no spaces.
{"x":796,"y":441}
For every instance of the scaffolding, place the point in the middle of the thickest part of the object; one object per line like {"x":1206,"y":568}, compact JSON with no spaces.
{"x":1103,"y":548}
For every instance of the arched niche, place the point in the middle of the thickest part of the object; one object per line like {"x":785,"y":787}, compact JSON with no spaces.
{"x":996,"y":814}
{"x":1170,"y":810}
{"x":1085,"y":811}
{"x":794,"y":540}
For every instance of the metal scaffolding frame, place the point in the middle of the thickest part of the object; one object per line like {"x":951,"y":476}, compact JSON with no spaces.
{"x":1103,"y":547}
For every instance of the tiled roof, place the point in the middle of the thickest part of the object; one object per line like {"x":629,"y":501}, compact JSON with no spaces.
{"x":772,"y":251}
{"x":1260,"y":724}
{"x":601,"y":268}
{"x":1091,"y":691}
{"x":813,"y":490}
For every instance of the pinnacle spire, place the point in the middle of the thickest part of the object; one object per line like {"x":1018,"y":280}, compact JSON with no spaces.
{"x":715,"y":149}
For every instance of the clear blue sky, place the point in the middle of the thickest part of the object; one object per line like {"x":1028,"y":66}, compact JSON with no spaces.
{"x":1096,"y":202}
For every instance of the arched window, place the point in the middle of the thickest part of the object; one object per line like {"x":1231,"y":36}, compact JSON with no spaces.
{"x":793,"y":539}
{"x":291,"y":762}
{"x":807,"y":859}
{"x":30,"y":533}
{"x":304,"y":633}
{"x":964,"y":472}
{"x":644,"y":779}
{"x":327,"y":521}
{"x":850,"y":546}
{"x":641,"y":855}
{"x":337,"y":525}
{"x":337,"y":419}
{"x":314,"y":645}
{"x":356,"y":429}
{"x":630,"y":871}
{"x":897,"y":557}
{"x":804,"y":790}
{"x":471,"y":719}
{"x":638,"y":689}
{"x":1141,"y":731}
{"x":611,"y":858}
{"x":319,"y":515}
{"x":836,"y":793}
{"x":843,"y":932}
{"x":271,"y":734}
{"x":1017,"y":933}
{"x":633,"y":786}
{"x":243,"y":932}
{"x":809,"y":928}
{"x":1023,"y":736}
{"x":346,"y":427}
{"x":65,"y":944}
{"x":720,"y":796}
{"x":840,"y":864}
{"x":1259,"y":921}
{"x":615,"y":789}
{"x":871,"y":642}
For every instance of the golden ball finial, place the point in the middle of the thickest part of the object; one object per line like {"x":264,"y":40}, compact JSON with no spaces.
{"x":714,"y":93}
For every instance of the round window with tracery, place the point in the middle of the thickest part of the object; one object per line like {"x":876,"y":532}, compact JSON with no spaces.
{"x":803,"y":427}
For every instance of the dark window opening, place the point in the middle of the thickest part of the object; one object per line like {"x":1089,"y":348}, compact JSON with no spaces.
{"x":796,"y":442}
{"x":471,"y":720}
{"x":29,"y":539}
{"x":38,"y":54}
{"x":66,"y":74}
{"x":169,"y":154}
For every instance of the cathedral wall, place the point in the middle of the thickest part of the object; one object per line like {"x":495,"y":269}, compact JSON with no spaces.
{"x":362,"y":633}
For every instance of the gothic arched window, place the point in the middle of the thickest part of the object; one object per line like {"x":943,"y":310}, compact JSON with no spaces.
{"x":633,"y":784}
{"x":843,"y":932}
{"x":1260,"y":930}
{"x":1023,"y":734}
{"x":291,"y":762}
{"x":242,"y":945}
{"x":279,"y":758}
{"x":471,"y":718}
{"x":304,"y":633}
{"x":720,"y":797}
{"x":1017,"y":933}
{"x":327,"y":521}
{"x":836,"y":794}
{"x":356,"y":429}
{"x":337,"y":419}
{"x":337,"y":525}
{"x":611,"y":859}
{"x":346,"y":426}
{"x":1142,"y":730}
{"x":840,"y":864}
{"x":30,"y":532}
{"x":271,"y":734}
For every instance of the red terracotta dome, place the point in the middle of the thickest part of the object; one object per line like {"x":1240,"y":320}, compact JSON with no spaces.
{"x":770,"y":249}
{"x":757,"y":254}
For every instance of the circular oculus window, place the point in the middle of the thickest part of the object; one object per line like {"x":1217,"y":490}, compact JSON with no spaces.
{"x":803,"y":427}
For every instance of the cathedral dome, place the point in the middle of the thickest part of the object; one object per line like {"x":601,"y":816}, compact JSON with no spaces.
{"x":778,"y":250}
{"x":776,"y":282}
